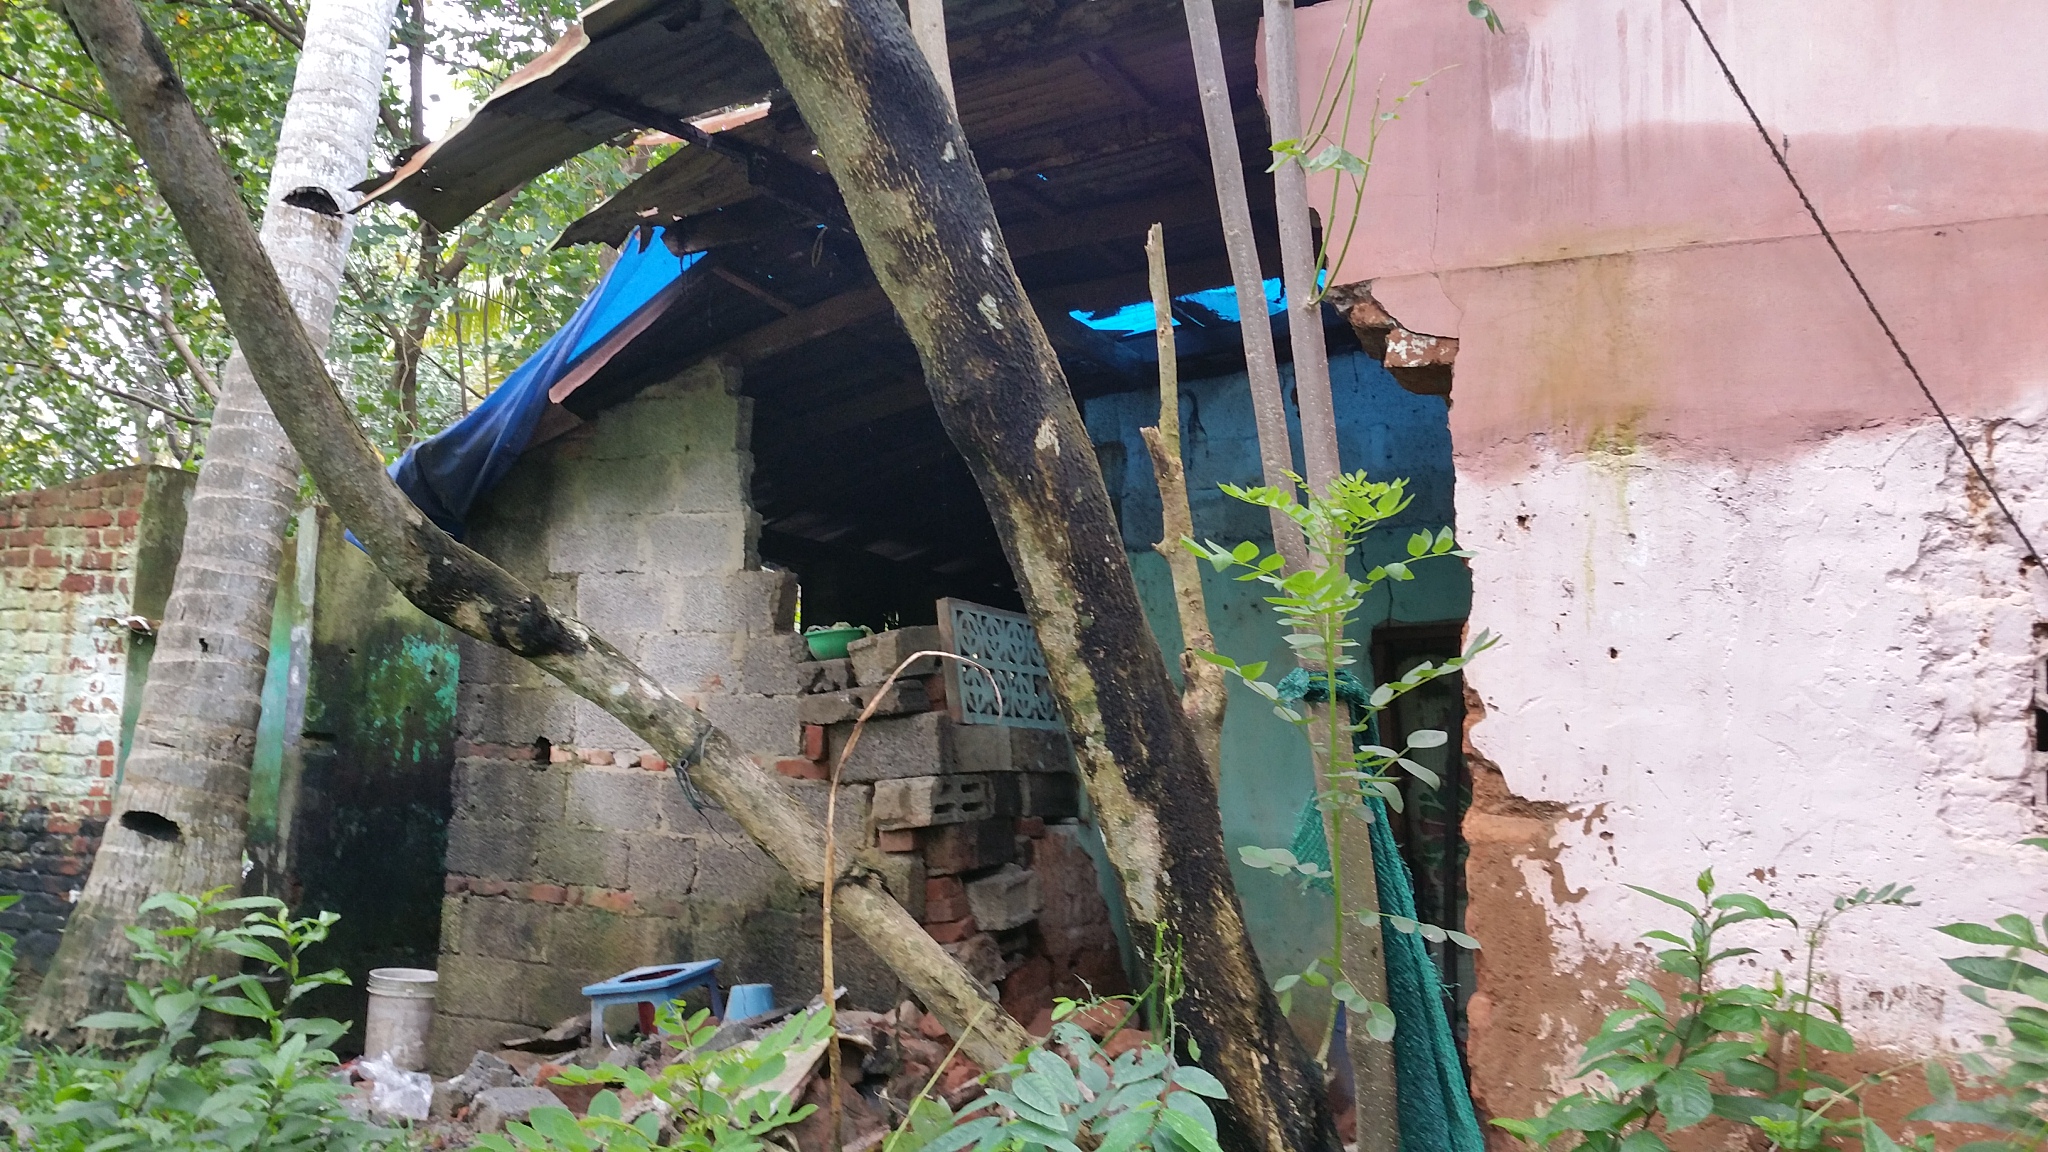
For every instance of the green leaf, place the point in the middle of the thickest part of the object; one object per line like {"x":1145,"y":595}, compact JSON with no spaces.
{"x":1685,"y":1099}
{"x":1427,"y":738}
{"x":1674,"y":901}
{"x":1379,"y":1021}
{"x":1188,"y":1131}
{"x":1642,"y":1140}
{"x":1981,"y":934}
{"x":1200,"y":1082}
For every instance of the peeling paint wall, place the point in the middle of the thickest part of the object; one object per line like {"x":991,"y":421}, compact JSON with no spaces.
{"x":1757,"y":614}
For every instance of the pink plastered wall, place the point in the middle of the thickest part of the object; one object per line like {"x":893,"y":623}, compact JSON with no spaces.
{"x":1759,"y":614}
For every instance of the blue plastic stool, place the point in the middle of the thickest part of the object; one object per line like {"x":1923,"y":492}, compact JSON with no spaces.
{"x":654,"y":984}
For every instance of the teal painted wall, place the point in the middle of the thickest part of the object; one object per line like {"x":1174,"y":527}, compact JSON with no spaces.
{"x":1381,"y":428}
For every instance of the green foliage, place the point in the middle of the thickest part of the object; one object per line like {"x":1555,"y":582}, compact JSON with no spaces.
{"x":719,"y":1099}
{"x":2011,"y":1071}
{"x":97,"y":275}
{"x":101,"y":288}
{"x":1318,"y":606}
{"x":270,"y":1088}
{"x":1738,"y":1054}
{"x":1063,"y":1095}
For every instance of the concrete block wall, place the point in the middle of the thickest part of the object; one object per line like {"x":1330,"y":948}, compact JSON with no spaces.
{"x":75,"y":561}
{"x":574,"y":852}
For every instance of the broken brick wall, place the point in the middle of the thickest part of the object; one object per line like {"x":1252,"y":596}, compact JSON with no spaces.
{"x":76,"y":561}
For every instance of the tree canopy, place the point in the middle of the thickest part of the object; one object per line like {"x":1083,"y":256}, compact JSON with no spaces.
{"x":109,"y":336}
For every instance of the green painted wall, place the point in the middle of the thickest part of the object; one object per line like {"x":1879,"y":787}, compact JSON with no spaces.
{"x":1383,"y":429}
{"x":350,"y":797}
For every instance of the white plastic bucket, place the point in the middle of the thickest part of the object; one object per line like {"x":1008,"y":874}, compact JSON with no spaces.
{"x":401,"y":1011}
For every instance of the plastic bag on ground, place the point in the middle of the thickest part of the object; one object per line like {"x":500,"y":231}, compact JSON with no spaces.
{"x":396,"y":1092}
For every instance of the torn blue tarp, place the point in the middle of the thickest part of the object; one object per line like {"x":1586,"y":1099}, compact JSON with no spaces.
{"x":448,"y":472}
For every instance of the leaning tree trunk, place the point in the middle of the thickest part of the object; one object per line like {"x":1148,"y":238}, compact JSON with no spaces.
{"x":923,"y":215}
{"x":448,"y":581}
{"x":181,"y":812}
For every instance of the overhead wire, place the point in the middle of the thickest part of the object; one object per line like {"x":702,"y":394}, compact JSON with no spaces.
{"x":1876,"y":314}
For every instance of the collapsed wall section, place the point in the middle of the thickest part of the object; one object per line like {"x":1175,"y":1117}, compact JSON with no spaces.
{"x":575,"y":853}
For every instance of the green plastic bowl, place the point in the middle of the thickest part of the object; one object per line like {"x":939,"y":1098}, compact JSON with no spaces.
{"x":830,"y":643}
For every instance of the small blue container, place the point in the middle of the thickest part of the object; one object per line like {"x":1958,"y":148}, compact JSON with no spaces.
{"x":746,"y":1001}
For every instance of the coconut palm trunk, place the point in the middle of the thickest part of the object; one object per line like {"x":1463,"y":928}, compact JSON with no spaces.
{"x":180,"y":813}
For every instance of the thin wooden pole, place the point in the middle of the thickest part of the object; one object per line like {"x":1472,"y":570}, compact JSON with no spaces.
{"x":1298,"y":256}
{"x":928,"y":28}
{"x":1269,"y":411}
{"x":1203,"y":692}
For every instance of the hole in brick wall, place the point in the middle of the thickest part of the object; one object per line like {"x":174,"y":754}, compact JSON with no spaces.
{"x":154,"y":825}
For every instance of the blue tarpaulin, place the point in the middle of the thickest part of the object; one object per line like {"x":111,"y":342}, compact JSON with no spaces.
{"x":448,"y":472}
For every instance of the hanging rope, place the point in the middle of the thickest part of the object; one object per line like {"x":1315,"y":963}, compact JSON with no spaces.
{"x":1778,"y":155}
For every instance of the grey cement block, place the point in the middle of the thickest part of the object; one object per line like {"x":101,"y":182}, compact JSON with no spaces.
{"x":454,"y":1040}
{"x":496,"y":1107}
{"x":773,"y":665}
{"x":737,"y":873}
{"x":900,"y":698}
{"x":814,"y":676}
{"x":874,"y":657}
{"x":504,"y":929}
{"x":616,"y":799}
{"x":494,"y":849}
{"x":518,"y":790}
{"x":596,"y":728}
{"x":924,"y":801}
{"x":660,"y":865}
{"x":502,"y":714}
{"x":620,"y":605}
{"x":574,"y":857}
{"x":1007,"y":899}
{"x":593,"y":940}
{"x":688,"y":662}
{"x":688,"y":543}
{"x":896,"y":747}
{"x":903,"y":875}
{"x":766,"y":726}
{"x":485,"y":987}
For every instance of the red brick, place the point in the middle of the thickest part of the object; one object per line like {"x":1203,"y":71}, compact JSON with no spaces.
{"x":454,"y":885}
{"x":547,"y":893}
{"x":814,"y":741}
{"x":652,"y":762}
{"x":597,"y":756}
{"x":560,"y":755}
{"x":609,"y":899}
{"x":106,"y":748}
{"x":45,"y":558}
{"x":904,"y":840}
{"x":98,"y":561}
{"x":1032,"y":826}
{"x":482,"y":887}
{"x":107,"y":769}
{"x":801,"y":769}
{"x":953,"y":931}
{"x":943,"y":910}
{"x":95,"y":518}
{"x":129,"y":518}
{"x":514,"y":752}
{"x":944,"y":888}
